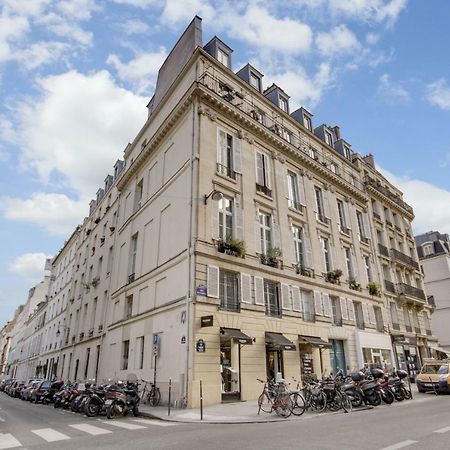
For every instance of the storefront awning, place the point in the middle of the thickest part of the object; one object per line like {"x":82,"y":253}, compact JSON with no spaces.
{"x":278,"y":341}
{"x":314,"y":341}
{"x":438,"y":349}
{"x":237,"y":335}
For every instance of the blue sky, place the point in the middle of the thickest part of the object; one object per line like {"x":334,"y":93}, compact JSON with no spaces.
{"x":76,"y":75}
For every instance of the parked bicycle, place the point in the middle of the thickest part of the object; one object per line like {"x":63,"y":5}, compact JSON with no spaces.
{"x":150,"y":394}
{"x":275,"y":397}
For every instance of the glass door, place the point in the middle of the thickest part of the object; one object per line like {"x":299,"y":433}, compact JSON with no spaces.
{"x":337,"y":356}
{"x":229,"y":369}
{"x":274,"y":363}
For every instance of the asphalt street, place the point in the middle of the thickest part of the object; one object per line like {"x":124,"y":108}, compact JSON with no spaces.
{"x":421,"y":423}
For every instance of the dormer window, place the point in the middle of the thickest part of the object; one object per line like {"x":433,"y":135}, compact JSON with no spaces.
{"x":329,"y":138}
{"x":283,"y":104}
{"x":223,"y":57}
{"x":307,"y":122}
{"x":255,"y":81}
{"x":427,"y":249}
{"x":219,"y":50}
{"x":347,"y":152}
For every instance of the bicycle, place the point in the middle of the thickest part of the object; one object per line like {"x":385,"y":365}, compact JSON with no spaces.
{"x":298,"y":401}
{"x":151,"y":395}
{"x":275,"y":397}
{"x":315,"y":398}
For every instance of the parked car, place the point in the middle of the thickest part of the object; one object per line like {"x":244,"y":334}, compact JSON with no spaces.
{"x":28,"y":388}
{"x":40,"y":391}
{"x":11,"y":387}
{"x":4,"y":383}
{"x":434,"y":376}
{"x":15,"y":392}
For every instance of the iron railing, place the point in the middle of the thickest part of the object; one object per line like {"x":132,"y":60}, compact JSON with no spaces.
{"x":404,"y":259}
{"x":410,"y":291}
{"x":383,"y":250}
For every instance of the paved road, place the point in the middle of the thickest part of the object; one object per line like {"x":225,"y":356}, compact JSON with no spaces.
{"x":423,"y":423}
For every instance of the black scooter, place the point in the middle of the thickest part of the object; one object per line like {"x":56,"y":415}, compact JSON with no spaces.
{"x":121,"y":399}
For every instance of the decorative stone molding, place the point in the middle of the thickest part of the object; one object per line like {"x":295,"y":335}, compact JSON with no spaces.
{"x":207,"y":112}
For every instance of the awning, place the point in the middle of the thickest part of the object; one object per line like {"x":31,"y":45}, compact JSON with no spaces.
{"x":314,"y":341}
{"x":237,"y":335}
{"x":279,"y":342}
{"x":438,"y":349}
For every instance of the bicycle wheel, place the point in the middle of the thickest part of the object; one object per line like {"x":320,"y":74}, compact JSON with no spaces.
{"x":154,"y":396}
{"x":406,"y":393}
{"x":318,"y":402}
{"x":298,"y":404}
{"x":144,"y":396}
{"x":346,"y":403}
{"x":334,"y":401}
{"x":283,"y":405}
{"x":264,"y":403}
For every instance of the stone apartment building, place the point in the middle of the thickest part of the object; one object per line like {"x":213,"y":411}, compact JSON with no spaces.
{"x":237,"y":241}
{"x":433,"y":249}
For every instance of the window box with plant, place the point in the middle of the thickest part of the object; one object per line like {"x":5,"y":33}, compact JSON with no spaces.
{"x":334,"y":276}
{"x":374,"y":289}
{"x":304,"y":271}
{"x":231,"y":246}
{"x":272,"y":257}
{"x":354,"y":285}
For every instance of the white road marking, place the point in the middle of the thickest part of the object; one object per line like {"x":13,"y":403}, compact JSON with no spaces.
{"x":2,"y":419}
{"x":442,"y":430}
{"x":90,"y":429}
{"x":159,"y":423}
{"x":50,"y":435}
{"x":399,"y":445}
{"x":126,"y":425}
{"x":8,"y":441}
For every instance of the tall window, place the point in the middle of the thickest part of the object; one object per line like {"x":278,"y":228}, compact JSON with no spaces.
{"x":263,"y":174}
{"x":298,"y":244}
{"x":265,"y":226}
{"x":307,"y":122}
{"x":309,"y":312}
{"x":128,"y":307}
{"x":86,"y":368}
{"x":141,"y":349}
{"x":110,"y":261}
{"x":229,"y":290}
{"x":394,"y":316}
{"x":368,"y":268}
{"x":426,"y":322}
{"x":342,"y":219}
{"x":223,"y":57}
{"x":271,"y":299}
{"x":125,"y":354}
{"x":337,"y":314}
{"x":138,"y":195}
{"x":359,"y":315}
{"x":294,"y":198}
{"x":361,"y":233}
{"x":416,"y":321}
{"x":225,"y":162}
{"x":329,"y":138}
{"x":320,"y":205}
{"x":407,"y":319}
{"x":326,"y":254}
{"x":379,"y":318}
{"x":283,"y":104}
{"x":225,"y":218}
{"x":255,"y":81}
{"x":133,"y":251}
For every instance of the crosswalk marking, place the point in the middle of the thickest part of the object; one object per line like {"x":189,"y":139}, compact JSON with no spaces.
{"x":400,"y":445}
{"x":90,"y":429}
{"x":126,"y":425}
{"x":442,"y":430}
{"x":50,"y":435}
{"x":159,"y":423}
{"x":8,"y":441}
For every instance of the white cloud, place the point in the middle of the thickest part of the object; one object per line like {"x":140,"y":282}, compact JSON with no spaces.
{"x":29,"y":266}
{"x":425,"y":198}
{"x":174,"y":13}
{"x":141,"y":71}
{"x":134,"y":26}
{"x":338,"y":41}
{"x":137,"y":3}
{"x":438,"y":93}
{"x":303,"y":89}
{"x":7,"y":132}
{"x":393,"y":92}
{"x":55,"y":213}
{"x":39,"y":53}
{"x":372,"y":38}
{"x":27,"y":8}
{"x":77,"y":128}
{"x":12,"y":28}
{"x":266,"y":32}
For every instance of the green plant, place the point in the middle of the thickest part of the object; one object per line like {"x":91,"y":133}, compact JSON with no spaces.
{"x":353,"y":284}
{"x":333,"y":276}
{"x":232,"y":246}
{"x":271,"y":257}
{"x":374,"y":289}
{"x":274,"y":252}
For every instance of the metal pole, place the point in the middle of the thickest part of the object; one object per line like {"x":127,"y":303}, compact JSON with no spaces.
{"x":201,"y":400}
{"x":154,"y":373}
{"x":170,"y":396}
{"x":410,"y":391}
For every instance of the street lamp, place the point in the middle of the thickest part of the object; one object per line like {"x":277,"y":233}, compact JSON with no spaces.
{"x":215,"y":195}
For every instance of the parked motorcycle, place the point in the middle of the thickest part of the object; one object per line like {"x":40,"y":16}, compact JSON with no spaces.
{"x":121,"y":399}
{"x":54,"y":388}
{"x":95,"y":404}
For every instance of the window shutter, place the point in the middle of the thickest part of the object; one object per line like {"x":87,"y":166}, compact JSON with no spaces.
{"x":327,"y":310}
{"x":296,"y":299}
{"x":285,"y":296}
{"x":212,"y":285}
{"x":308,"y":251}
{"x":365,"y":308}
{"x":372,"y":315}
{"x":214,"y":219}
{"x":259,"y":168}
{"x":301,"y":190}
{"x":268,"y":167}
{"x":348,"y":221}
{"x":318,"y":303}
{"x":238,"y":219}
{"x":351,"y":310}
{"x":237,"y":164}
{"x":246,"y":288}
{"x":344,"y":312}
{"x":222,"y":148}
{"x":366,"y":225}
{"x":332,"y":256}
{"x":257,"y":233}
{"x":259,"y":290}
{"x":287,"y":186}
{"x":354,"y":265}
{"x":386,"y":318}
{"x":326,"y":205}
{"x":373,"y":270}
{"x":276,"y":242}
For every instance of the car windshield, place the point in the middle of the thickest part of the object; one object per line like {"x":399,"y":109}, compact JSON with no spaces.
{"x":432,"y":369}
{"x":443,"y":369}
{"x":46,"y":384}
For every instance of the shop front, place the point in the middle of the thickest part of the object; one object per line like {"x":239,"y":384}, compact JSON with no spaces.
{"x":231,"y":342}
{"x":407,"y":355}
{"x":374,"y":350}
{"x":276,"y":344}
{"x":311,"y":355}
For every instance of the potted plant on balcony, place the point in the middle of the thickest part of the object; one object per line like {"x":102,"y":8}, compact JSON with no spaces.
{"x":333,"y":276}
{"x":353,"y":284}
{"x":304,"y":271}
{"x":272,"y":257}
{"x":232,"y":246}
{"x":374,"y":289}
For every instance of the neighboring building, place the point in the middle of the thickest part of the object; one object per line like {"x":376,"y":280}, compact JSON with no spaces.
{"x":434,"y":254}
{"x":236,"y":241}
{"x":5,"y":343}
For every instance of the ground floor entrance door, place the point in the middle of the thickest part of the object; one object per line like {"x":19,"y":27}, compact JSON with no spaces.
{"x":229,"y":369}
{"x":337,"y":356}
{"x":274,"y":363}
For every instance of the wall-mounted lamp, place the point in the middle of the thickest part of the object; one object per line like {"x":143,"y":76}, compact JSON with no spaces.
{"x":215,"y":195}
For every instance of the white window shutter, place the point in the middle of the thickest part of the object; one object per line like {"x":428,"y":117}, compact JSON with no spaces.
{"x":366,"y":225}
{"x":237,"y":158}
{"x":326,"y":205}
{"x":301,"y":190}
{"x":259,"y":168}
{"x":365,"y":308}
{"x":287,"y":184}
{"x":222,"y":147}
{"x":257,"y":233}
{"x":318,"y":303}
{"x":344,"y":312}
{"x":351,"y":310}
{"x":214,"y":219}
{"x":327,"y":310}
{"x":296,"y":299}
{"x":354,"y":266}
{"x":308,"y":250}
{"x":386,"y":317}
{"x":348,"y":221}
{"x":276,"y":241}
{"x":238,"y":219}
{"x":285,"y":296}
{"x":371,"y":315}
{"x":259,"y":290}
{"x":212,"y":286}
{"x":331,"y":252}
{"x":246,"y":288}
{"x":268,"y":166}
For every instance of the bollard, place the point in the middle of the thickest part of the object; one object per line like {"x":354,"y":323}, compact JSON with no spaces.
{"x":201,"y":400}
{"x":170,"y":396}
{"x":410,"y":390}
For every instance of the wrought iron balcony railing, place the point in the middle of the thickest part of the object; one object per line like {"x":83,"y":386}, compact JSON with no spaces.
{"x":404,"y":259}
{"x":410,"y":291}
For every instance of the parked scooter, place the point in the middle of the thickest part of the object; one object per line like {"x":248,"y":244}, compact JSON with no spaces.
{"x":120,"y":399}
{"x":54,"y":388}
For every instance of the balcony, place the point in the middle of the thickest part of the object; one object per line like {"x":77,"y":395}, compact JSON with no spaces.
{"x":406,"y":260}
{"x":395,"y":326}
{"x":408,"y":328}
{"x":383,"y":250}
{"x":295,"y":205}
{"x":225,"y":171}
{"x":263,"y":190}
{"x":390,"y":286}
{"x":429,"y":332}
{"x":376,"y":215}
{"x":304,"y":271}
{"x":370,"y":182}
{"x":405,"y":290}
{"x":417,"y":330}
